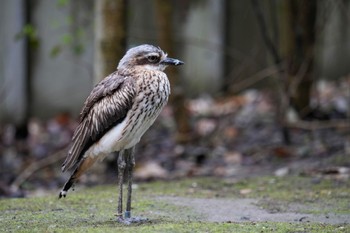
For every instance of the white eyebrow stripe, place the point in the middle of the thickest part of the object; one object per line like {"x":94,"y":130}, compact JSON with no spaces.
{"x":153,"y":54}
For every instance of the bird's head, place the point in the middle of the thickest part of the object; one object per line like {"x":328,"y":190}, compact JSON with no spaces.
{"x":147,"y":57}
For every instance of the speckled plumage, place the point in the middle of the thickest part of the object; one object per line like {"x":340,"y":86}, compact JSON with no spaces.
{"x":135,"y":99}
{"x":106,"y":107}
{"x":120,"y":109}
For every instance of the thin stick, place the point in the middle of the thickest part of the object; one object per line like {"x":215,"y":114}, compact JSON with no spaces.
{"x":35,"y":166}
{"x":314,"y":125}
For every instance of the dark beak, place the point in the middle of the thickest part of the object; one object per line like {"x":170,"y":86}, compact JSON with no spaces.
{"x":172,"y":61}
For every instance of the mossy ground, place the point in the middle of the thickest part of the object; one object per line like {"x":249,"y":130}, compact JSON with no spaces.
{"x":93,"y":209}
{"x":320,"y":195}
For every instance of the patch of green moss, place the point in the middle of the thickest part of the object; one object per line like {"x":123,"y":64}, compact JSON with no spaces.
{"x":206,"y":227}
{"x":313,"y":195}
{"x":82,"y":210}
{"x":48,"y":221}
{"x":93,"y":209}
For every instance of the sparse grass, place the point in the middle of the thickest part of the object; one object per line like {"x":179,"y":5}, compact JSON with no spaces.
{"x":313,"y":195}
{"x":318,"y":195}
{"x":92,"y":209}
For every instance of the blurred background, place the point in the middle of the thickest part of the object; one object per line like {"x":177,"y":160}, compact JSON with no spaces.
{"x":265,"y":87}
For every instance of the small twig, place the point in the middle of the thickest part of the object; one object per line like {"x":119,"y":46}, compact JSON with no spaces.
{"x":269,"y":71}
{"x":32,"y":168}
{"x":263,"y":29}
{"x":316,"y":125}
{"x":298,"y":78}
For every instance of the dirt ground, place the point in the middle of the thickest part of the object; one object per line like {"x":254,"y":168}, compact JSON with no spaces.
{"x":247,"y":210}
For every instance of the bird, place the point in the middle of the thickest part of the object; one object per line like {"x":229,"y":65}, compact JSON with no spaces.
{"x":118,"y":111}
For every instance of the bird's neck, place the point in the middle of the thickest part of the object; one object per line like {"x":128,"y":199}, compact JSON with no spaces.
{"x":137,"y":70}
{"x":126,"y":71}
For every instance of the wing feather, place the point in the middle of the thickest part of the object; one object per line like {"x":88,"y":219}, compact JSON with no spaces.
{"x":106,"y":106}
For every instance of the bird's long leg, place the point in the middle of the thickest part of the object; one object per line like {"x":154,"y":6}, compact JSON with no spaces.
{"x":130,"y":163}
{"x":121,"y":169}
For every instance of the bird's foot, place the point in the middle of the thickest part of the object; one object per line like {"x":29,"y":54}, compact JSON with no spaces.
{"x":127,"y":220}
{"x":62,"y":194}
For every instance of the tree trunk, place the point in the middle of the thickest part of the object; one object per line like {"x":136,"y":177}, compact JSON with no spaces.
{"x":177,"y":99}
{"x":297,"y":45}
{"x":110,"y":32}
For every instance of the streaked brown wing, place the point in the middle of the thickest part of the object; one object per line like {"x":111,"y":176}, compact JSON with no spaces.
{"x":106,"y":106}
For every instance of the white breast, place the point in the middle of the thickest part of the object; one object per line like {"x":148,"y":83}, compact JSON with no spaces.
{"x":108,"y":142}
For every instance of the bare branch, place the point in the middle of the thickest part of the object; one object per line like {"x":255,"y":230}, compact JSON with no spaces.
{"x":32,"y":168}
{"x":262,"y":25}
{"x":315,"y":125}
{"x":247,"y":82}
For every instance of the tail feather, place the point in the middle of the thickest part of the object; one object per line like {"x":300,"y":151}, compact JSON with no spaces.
{"x":67,"y":186}
{"x":83,"y":166}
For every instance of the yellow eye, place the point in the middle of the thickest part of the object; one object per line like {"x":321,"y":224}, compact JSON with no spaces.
{"x":153,"y":58}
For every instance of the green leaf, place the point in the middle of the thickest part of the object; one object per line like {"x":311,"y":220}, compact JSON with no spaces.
{"x":55,"y":51}
{"x":80,"y":32}
{"x":62,"y":3}
{"x":67,"y":39}
{"x":29,"y":32}
{"x":28,"y":29}
{"x":78,"y":49}
{"x":68,"y":20}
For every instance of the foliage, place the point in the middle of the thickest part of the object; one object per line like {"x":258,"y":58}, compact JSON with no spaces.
{"x":29,"y":32}
{"x":72,"y":40}
{"x":62,"y":3}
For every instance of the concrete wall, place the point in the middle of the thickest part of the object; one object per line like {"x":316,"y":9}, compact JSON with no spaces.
{"x":209,"y":35}
{"x":63,"y":82}
{"x":57,"y":84}
{"x":333,"y":44}
{"x":12,"y":62}
{"x":204,"y":47}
